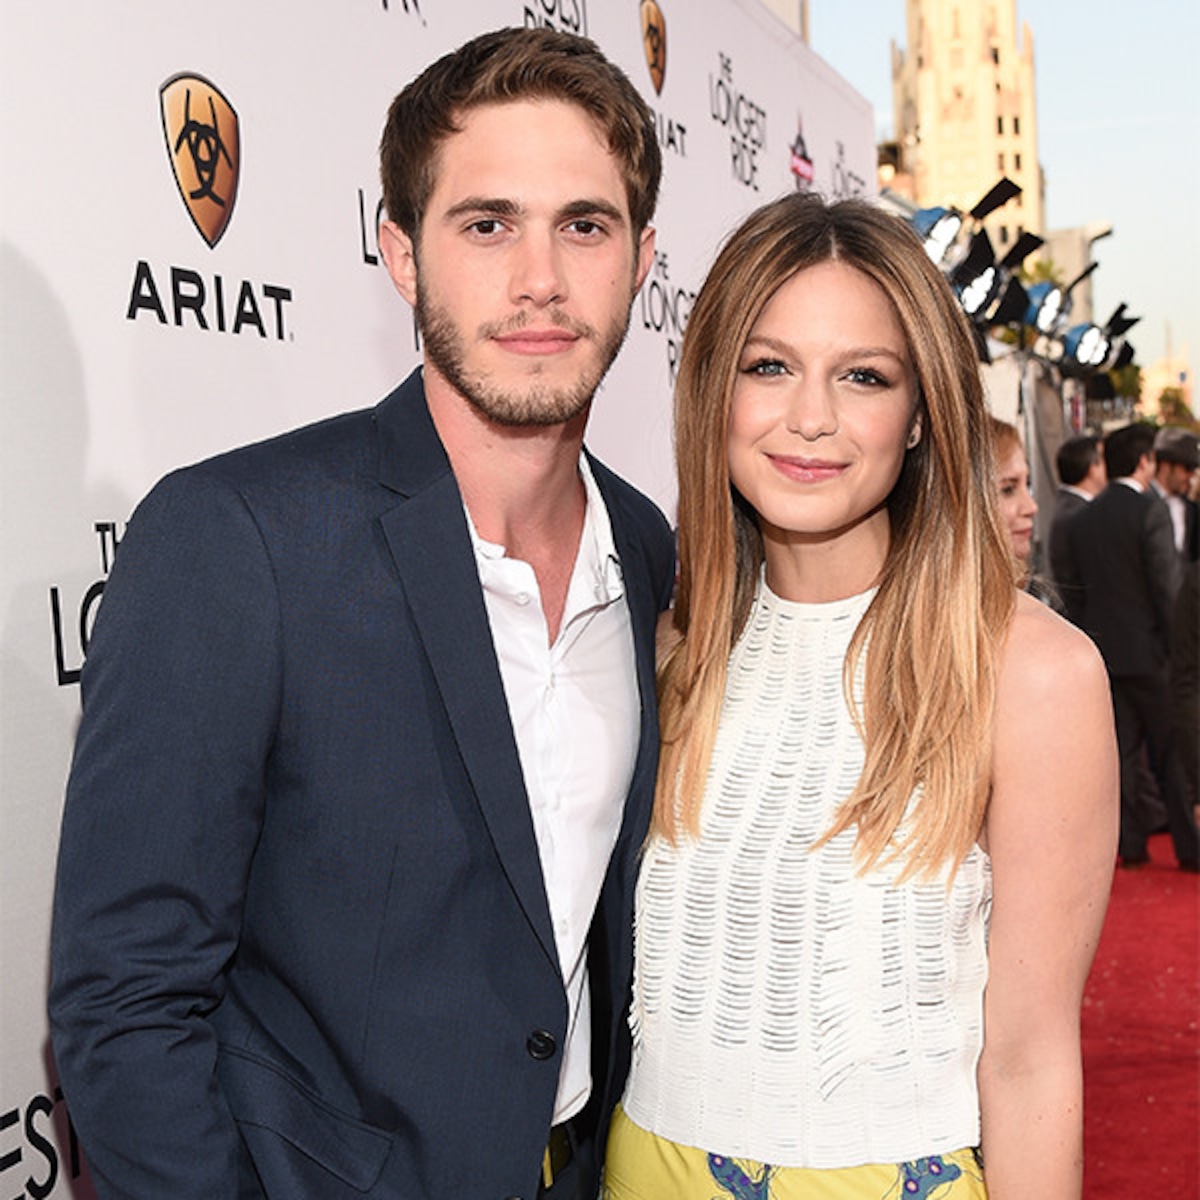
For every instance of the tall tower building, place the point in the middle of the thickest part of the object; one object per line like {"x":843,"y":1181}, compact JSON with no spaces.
{"x":794,"y":13}
{"x":966,"y":113}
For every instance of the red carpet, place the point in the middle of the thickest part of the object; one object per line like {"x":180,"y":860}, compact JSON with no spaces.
{"x":1141,"y":1038}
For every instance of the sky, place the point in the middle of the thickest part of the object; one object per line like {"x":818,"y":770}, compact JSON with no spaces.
{"x":1118,"y":103}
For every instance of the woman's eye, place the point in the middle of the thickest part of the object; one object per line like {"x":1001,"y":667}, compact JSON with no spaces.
{"x":765,"y":366}
{"x":866,"y":376}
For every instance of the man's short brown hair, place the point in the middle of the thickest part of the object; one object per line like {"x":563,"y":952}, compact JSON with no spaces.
{"x":504,"y":66}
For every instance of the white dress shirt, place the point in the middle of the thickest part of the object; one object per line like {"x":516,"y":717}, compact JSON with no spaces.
{"x":1178,"y":511}
{"x":575,"y":713}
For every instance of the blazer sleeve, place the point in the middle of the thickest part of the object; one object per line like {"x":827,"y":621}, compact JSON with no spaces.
{"x":163,"y":808}
{"x":1161,"y":565}
{"x":1185,"y":654}
{"x":1067,"y":574}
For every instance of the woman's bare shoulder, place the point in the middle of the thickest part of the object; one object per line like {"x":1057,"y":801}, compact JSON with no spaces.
{"x":1045,"y":654}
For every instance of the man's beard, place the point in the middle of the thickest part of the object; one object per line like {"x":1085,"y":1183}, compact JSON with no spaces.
{"x":536,"y":404}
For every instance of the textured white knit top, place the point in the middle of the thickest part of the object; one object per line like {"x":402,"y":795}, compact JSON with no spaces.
{"x":786,"y":1009}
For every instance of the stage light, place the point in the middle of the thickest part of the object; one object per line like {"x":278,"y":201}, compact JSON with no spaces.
{"x":1049,"y":305}
{"x":1123,"y":357}
{"x":1085,"y":346}
{"x":976,"y":280}
{"x":987,"y":290}
{"x":996,"y":198}
{"x":1120,"y":352}
{"x":937,"y":228}
{"x":1013,"y":304}
{"x":977,"y":294}
{"x":1024,"y":246}
{"x":1119,"y":324}
{"x":1015,"y":300}
{"x":990,"y":294}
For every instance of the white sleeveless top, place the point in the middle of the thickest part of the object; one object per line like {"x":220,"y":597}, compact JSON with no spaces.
{"x":786,"y":1009}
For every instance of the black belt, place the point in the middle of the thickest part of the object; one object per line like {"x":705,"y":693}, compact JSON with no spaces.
{"x":558,"y":1155}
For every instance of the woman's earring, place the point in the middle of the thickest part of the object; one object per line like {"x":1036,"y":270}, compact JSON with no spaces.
{"x":914,"y":437}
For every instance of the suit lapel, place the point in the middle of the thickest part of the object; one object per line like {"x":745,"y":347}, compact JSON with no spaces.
{"x":643,"y":614}
{"x":431,"y":547}
{"x":611,"y":939}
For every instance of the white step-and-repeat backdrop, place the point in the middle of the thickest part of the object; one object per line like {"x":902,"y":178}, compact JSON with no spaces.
{"x":135,"y":337}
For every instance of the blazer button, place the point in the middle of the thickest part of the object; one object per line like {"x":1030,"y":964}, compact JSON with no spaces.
{"x":540,"y":1044}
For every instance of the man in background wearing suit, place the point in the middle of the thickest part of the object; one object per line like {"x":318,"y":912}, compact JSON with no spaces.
{"x":1121,"y":577}
{"x":369,"y":738}
{"x":1081,"y":477}
{"x":1177,"y":455}
{"x":1185,"y":679}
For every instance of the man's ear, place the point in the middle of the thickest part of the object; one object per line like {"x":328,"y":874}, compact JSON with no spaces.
{"x":645,"y":256}
{"x":397,"y":249}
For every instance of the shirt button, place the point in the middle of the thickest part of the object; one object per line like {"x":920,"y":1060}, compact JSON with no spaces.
{"x":522,"y":598}
{"x":541,"y":1045}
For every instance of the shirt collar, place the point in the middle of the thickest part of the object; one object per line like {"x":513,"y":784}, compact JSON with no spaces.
{"x":597,"y":566}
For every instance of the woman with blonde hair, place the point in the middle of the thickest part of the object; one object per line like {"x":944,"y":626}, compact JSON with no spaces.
{"x":868,"y":847}
{"x":1017,"y":508}
{"x":1016,"y":505}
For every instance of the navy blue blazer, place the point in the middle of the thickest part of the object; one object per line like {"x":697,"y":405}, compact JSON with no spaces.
{"x":301,"y":943}
{"x":1120,"y":576}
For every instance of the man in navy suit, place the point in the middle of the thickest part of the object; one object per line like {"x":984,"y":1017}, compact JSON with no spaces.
{"x":1121,"y":577}
{"x":1081,"y":478}
{"x":369,"y":738}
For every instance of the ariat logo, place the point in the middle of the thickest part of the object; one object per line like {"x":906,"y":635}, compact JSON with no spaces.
{"x":201,"y":130}
{"x":654,"y":43}
{"x":672,"y":133}
{"x":203,"y":144}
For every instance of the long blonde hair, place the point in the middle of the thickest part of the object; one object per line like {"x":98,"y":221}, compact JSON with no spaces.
{"x":946,"y":591}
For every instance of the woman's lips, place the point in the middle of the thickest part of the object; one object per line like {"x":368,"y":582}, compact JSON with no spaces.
{"x":806,"y":470}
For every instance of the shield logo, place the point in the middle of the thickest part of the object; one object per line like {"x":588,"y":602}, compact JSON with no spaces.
{"x":201,"y":130}
{"x":654,"y":41}
{"x":802,"y":165}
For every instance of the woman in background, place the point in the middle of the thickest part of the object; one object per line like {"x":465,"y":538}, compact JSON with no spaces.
{"x":1017,"y":507}
{"x":864,"y":814}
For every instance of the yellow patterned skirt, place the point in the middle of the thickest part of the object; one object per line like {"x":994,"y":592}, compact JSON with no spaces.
{"x":644,"y":1166}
